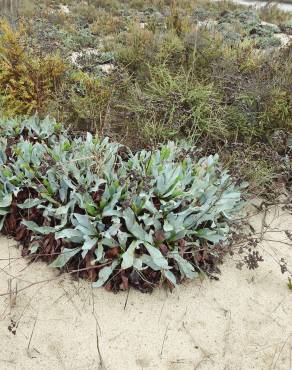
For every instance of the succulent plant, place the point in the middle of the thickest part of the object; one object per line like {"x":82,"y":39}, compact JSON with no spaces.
{"x":135,"y":219}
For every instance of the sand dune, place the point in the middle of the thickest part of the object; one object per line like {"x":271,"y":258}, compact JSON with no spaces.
{"x":242,"y":321}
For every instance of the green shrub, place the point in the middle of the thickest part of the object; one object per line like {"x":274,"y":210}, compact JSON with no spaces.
{"x":178,"y":103}
{"x":196,"y":81}
{"x":82,"y":103}
{"x":138,"y":48}
{"x":127,"y":219}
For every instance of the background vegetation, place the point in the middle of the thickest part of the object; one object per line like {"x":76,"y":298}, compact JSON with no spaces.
{"x":144,"y":72}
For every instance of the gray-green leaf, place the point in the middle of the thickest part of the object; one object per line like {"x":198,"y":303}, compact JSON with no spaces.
{"x":64,"y":257}
{"x":104,"y":274}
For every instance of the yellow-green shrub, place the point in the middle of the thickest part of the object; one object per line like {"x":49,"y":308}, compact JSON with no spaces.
{"x":26,"y":81}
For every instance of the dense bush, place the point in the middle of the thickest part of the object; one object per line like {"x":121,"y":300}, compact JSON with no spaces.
{"x":122,"y":218}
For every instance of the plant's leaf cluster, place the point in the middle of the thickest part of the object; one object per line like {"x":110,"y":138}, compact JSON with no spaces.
{"x":122,"y":218}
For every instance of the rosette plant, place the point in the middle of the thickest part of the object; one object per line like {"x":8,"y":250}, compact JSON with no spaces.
{"x":117,"y":217}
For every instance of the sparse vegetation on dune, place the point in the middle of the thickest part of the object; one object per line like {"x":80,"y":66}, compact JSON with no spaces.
{"x":211,"y":76}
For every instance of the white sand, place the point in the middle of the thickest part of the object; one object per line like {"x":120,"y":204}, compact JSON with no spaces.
{"x":242,"y":322}
{"x":258,"y":4}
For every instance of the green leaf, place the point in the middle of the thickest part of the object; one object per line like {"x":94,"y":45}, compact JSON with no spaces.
{"x":134,"y":228}
{"x":128,"y":256}
{"x":123,"y":238}
{"x":4,"y":212}
{"x":91,"y":209}
{"x":34,"y":247}
{"x":99,"y":252}
{"x":64,"y":257}
{"x":147,"y":260}
{"x":43,"y":230}
{"x":185,"y":267}
{"x":170,"y":276}
{"x":157,"y":256}
{"x":50,"y":199}
{"x":88,"y":245}
{"x":73,"y":235}
{"x":85,"y":225}
{"x":109,"y":242}
{"x":104,"y":274}
{"x":6,"y":201}
{"x":2,"y":220}
{"x":29,"y":203}
{"x":138,"y":263}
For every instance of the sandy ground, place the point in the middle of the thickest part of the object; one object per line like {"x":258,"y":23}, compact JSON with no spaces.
{"x":241,"y":322}
{"x":283,"y":5}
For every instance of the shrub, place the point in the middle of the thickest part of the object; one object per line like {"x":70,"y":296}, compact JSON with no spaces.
{"x":197,"y":80}
{"x":82,"y":102}
{"x":43,"y":84}
{"x":178,"y":103}
{"x":106,"y":23}
{"x":138,"y":48}
{"x":26,"y":82}
{"x":257,"y":90}
{"x":123,"y":218}
{"x":272,"y":13}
